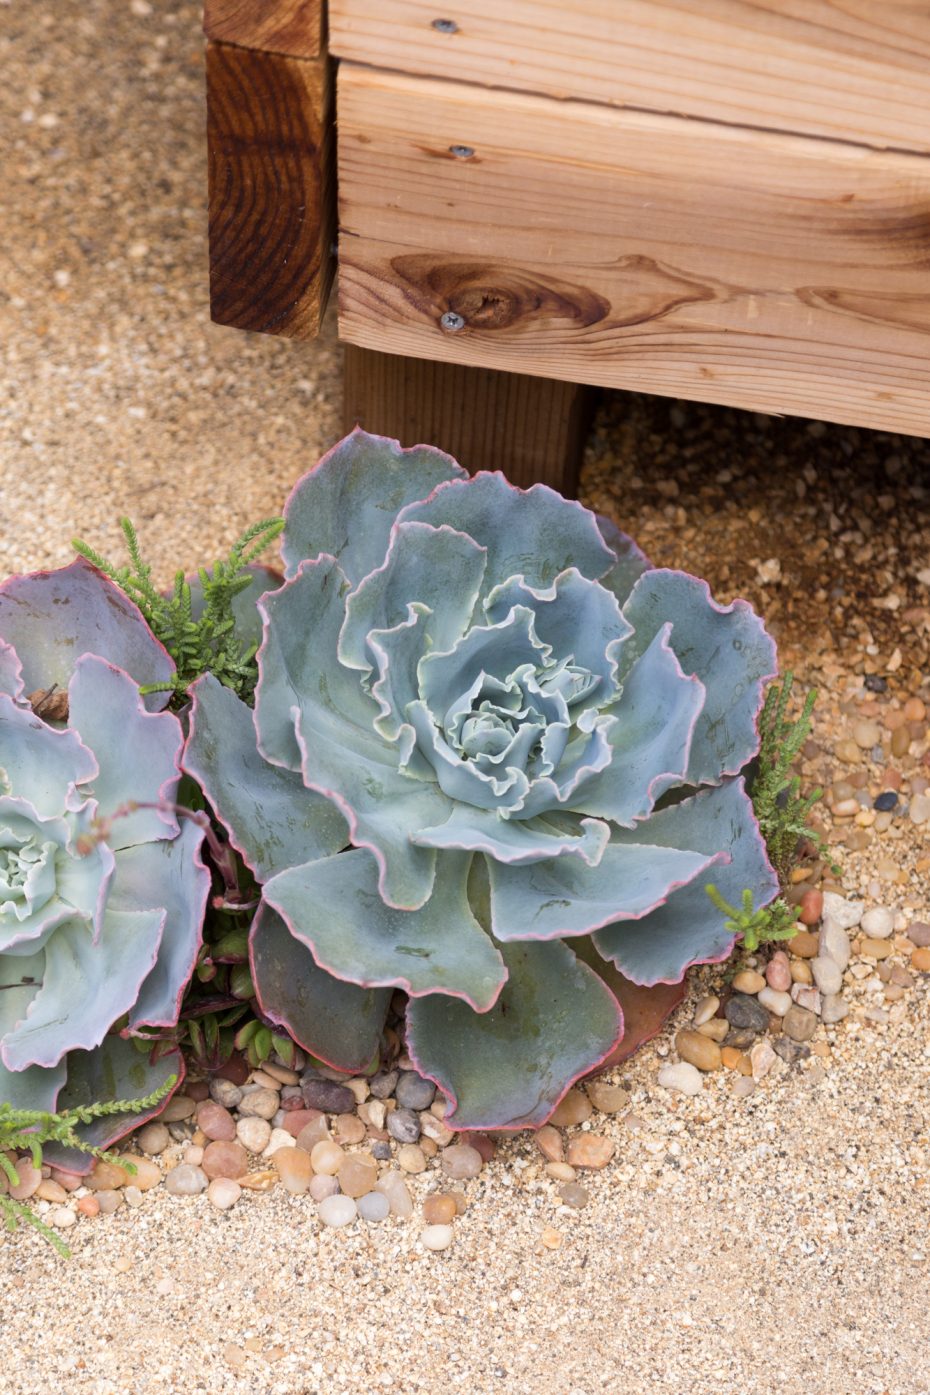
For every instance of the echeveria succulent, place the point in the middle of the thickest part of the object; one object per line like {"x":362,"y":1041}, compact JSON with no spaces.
{"x":101,"y":902}
{"x":487,"y":735}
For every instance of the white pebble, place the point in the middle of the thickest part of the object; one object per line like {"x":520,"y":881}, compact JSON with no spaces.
{"x":62,"y":1217}
{"x":681,"y":1076}
{"x":337,"y":1210}
{"x":776,"y":1002}
{"x":828,"y":975}
{"x":280,"y":1138}
{"x":878,"y":923}
{"x":223,"y":1192}
{"x":436,"y":1237}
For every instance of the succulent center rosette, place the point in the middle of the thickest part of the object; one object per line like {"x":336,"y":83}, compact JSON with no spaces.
{"x":494,"y":760}
{"x":101,"y":902}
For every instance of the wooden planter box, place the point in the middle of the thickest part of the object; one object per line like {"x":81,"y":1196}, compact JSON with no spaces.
{"x":711,"y":199}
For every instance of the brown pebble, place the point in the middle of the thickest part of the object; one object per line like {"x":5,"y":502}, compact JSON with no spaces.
{"x":716,"y":1028}
{"x":697,"y":1050}
{"x":348,"y":1128}
{"x":801,"y":972}
{"x":313,"y":1133}
{"x":736,"y":1060}
{"x":748,"y":981}
{"x":357,"y":1175}
{"x":608,"y":1099}
{"x":804,"y":944}
{"x":88,"y":1206}
{"x":811,"y":908}
{"x":106,"y":1176}
{"x":550,"y":1143}
{"x":296,"y":1119}
{"x":460,"y":1161}
{"x":920,"y":959}
{"x":573,"y":1108}
{"x":439,"y":1209}
{"x":875,"y":949}
{"x":484,"y":1144}
{"x":551,"y":1238}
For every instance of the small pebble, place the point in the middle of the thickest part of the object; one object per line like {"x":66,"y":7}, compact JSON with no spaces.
{"x":109,"y":1202}
{"x":224,"y":1092}
{"x":834,"y":944}
{"x":280,"y":1138}
{"x":337,"y":1211}
{"x":811,"y":907}
{"x":327,"y":1158}
{"x":254,"y":1134}
{"x":104,"y":1176}
{"x":179,"y":1107}
{"x":403,"y":1125}
{"x":574,"y":1108}
{"x":560,"y":1172}
{"x":183,"y":1180}
{"x":153,"y":1138}
{"x":263,"y":1103}
{"x":461,"y":1161}
{"x":736,"y":1060}
{"x":411,"y":1158}
{"x":608,"y":1099}
{"x":550,"y":1143}
{"x":216,"y":1121}
{"x":357,"y":1175}
{"x":322,"y":1186}
{"x":373,"y":1207}
{"x":774,"y":1001}
{"x":828,"y":975}
{"x":90,"y":1205}
{"x":295,"y":1169}
{"x":223,"y":1192}
{"x":698,"y":1050}
{"x":224,"y":1158}
{"x":312,"y":1134}
{"x":393,"y":1186}
{"x":574,"y":1195}
{"x":681,"y":1076}
{"x":439,"y":1209}
{"x":790,"y":1051}
{"x":132,"y":1196}
{"x":328,"y":1096}
{"x":886,"y":801}
{"x":748,"y":981}
{"x":918,"y":933}
{"x":590,"y":1150}
{"x":348,"y":1128}
{"x":716,"y":1029}
{"x":778,"y":972}
{"x":147,"y":1174}
{"x":383,"y":1084}
{"x":704,"y":1010}
{"x":804,"y":944}
{"x":761,"y":1058}
{"x":920,"y":959}
{"x":743,"y":1010}
{"x":878,"y":922}
{"x":436,"y":1237}
{"x":61,"y":1217}
{"x":742,"y":1086}
{"x":799,"y":1023}
{"x":412,"y":1091}
{"x":875,"y":949}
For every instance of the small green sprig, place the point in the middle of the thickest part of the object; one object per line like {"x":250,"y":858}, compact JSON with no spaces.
{"x":782,"y":811}
{"x":776,"y":921}
{"x":28,"y":1130}
{"x":205,"y":642}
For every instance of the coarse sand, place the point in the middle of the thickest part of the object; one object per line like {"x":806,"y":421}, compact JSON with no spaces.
{"x":732,"y":1247}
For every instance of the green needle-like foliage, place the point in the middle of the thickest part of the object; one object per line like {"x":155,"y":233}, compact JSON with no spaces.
{"x":28,"y":1130}
{"x":754,"y":927}
{"x":201,"y":638}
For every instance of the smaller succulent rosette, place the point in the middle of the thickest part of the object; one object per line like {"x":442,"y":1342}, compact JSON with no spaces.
{"x":102,"y":887}
{"x":494,"y":760}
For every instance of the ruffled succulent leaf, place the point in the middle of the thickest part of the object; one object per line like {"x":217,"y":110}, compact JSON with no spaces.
{"x":115,"y":1070}
{"x":727,"y":647}
{"x":169,"y":874}
{"x":553,"y":1022}
{"x":33,"y":1088}
{"x":652,"y":734}
{"x":564,"y":897}
{"x":39,"y":764}
{"x":52,"y":618}
{"x":688,"y":928}
{"x":273,"y":820}
{"x":630,"y":562}
{"x":137,"y":757}
{"x":533,"y":533}
{"x":337,"y":1022}
{"x":332,"y":717}
{"x":347,"y":505}
{"x":334,"y":908}
{"x":84,"y":986}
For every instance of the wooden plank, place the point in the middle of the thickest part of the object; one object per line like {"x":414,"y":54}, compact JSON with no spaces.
{"x":857,"y":71}
{"x":630,"y":250}
{"x":291,"y":27}
{"x":271,"y":210}
{"x":531,"y":428}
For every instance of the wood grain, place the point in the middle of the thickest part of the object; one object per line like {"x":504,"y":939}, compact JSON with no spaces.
{"x":632,"y":250}
{"x":531,"y":428}
{"x":855,"y":70}
{"x":291,"y":27}
{"x":271,"y":211}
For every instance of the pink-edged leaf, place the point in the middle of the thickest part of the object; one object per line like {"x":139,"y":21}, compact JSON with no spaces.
{"x":554,"y":1021}
{"x":53,"y":618}
{"x":337,"y":1022}
{"x":645,"y":1010}
{"x":116,"y":1070}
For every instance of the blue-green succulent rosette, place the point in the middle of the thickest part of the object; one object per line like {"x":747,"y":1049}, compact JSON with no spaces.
{"x":491,"y":749}
{"x":101,"y":902}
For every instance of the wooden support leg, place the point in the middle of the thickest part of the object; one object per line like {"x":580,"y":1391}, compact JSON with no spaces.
{"x":531,"y":428}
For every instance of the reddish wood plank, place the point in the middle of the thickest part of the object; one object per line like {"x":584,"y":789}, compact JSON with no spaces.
{"x":271,"y":212}
{"x":291,"y":27}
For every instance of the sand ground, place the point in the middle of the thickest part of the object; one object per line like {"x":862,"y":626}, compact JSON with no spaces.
{"x":774,"y":1244}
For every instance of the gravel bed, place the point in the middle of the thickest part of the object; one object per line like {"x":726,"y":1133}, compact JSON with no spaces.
{"x":734,"y":1241}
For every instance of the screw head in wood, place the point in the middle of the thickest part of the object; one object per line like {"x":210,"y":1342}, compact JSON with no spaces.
{"x":446,"y":26}
{"x":462,"y":152}
{"x":452,"y":321}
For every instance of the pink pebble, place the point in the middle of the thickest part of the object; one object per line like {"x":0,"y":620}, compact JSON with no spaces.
{"x":778,"y":972}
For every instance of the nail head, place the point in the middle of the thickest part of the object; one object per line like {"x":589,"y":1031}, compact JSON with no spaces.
{"x":446,"y":26}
